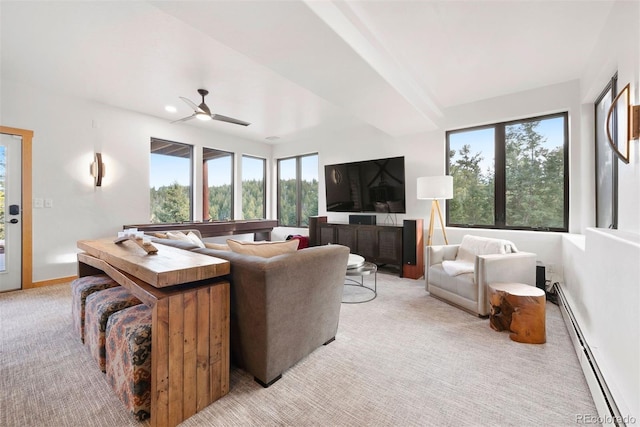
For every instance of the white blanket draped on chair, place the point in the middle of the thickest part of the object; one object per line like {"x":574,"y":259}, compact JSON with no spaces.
{"x":472,"y":246}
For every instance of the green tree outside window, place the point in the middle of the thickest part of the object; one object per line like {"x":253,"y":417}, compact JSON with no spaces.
{"x":526,"y":159}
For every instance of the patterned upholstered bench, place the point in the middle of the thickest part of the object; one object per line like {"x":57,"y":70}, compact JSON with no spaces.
{"x":80,"y":289}
{"x":128,"y":358}
{"x":99,"y":306}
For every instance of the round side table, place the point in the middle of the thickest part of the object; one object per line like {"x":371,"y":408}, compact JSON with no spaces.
{"x":361,"y":270}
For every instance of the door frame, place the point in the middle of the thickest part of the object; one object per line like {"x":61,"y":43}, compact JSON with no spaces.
{"x":27,"y":213}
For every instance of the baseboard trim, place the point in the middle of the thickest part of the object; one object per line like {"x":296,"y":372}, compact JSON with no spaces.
{"x":51,"y":282}
{"x":608,"y":411}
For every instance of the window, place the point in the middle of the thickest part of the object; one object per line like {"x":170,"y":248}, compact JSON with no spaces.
{"x":606,"y":163}
{"x":297,"y":190}
{"x":217,"y":177}
{"x":253,"y":188}
{"x":170,"y":181}
{"x":511,"y":175}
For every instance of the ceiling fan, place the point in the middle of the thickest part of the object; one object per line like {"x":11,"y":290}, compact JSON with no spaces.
{"x":202,"y":112}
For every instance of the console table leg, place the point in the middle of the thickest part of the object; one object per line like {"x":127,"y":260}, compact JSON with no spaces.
{"x":190,"y":353}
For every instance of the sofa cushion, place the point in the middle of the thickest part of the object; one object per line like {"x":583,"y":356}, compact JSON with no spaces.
{"x":188,"y":237}
{"x":263,"y":249}
{"x":217,"y":246}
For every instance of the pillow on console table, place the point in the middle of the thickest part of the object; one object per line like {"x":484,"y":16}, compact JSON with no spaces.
{"x":263,"y":249}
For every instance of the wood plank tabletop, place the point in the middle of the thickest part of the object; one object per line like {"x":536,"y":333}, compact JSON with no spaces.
{"x":169,"y":266}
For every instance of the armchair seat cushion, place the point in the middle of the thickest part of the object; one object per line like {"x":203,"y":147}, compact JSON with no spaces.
{"x":462,"y":284}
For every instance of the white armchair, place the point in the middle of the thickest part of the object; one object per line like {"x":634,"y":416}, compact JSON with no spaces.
{"x":468,"y":290}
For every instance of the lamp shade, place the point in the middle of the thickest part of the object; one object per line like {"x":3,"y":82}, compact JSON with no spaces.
{"x":435,"y":187}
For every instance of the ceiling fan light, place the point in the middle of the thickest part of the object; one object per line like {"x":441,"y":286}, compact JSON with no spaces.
{"x":203,"y":116}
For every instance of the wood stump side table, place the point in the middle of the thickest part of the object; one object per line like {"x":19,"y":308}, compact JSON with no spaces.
{"x":519,"y":309}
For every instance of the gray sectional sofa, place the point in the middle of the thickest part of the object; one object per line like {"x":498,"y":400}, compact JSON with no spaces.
{"x":282,"y":308}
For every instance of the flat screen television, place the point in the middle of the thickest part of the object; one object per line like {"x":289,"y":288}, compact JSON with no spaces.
{"x":366,"y":186}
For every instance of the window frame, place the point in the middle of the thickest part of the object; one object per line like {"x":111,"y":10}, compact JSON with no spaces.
{"x":205,"y":183}
{"x":612,"y":203}
{"x":500,"y":196}
{"x":298,"y":159}
{"x":191,"y":168}
{"x":264,"y":183}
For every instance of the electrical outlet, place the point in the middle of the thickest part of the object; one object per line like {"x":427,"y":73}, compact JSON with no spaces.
{"x":38,"y":203}
{"x":48,"y":203}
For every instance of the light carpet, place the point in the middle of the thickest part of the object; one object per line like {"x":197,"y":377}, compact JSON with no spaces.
{"x":402,"y":359}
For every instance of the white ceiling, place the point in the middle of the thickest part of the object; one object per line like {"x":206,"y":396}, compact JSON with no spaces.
{"x":294,"y":67}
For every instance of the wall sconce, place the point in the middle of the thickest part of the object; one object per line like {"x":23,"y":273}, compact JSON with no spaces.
{"x":633,"y":125}
{"x":97,"y":170}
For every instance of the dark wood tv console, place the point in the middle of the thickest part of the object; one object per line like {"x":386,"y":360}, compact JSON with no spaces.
{"x":260,"y":227}
{"x":381,"y":244}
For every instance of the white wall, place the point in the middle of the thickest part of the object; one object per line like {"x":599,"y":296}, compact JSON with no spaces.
{"x":602,"y":268}
{"x":601,"y":284}
{"x":65,"y":140}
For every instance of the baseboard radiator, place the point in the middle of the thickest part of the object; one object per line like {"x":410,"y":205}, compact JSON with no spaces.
{"x":608,"y":411}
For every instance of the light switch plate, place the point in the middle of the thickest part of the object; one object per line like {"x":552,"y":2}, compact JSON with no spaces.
{"x":48,"y":203}
{"x":38,"y":203}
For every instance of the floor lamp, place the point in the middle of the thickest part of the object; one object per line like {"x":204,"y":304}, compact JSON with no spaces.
{"x":435,"y":188}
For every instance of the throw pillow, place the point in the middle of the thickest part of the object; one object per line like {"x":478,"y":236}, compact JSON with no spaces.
{"x":177,"y":235}
{"x":263,"y":249}
{"x":195,"y":239}
{"x":217,"y":246}
{"x":189,"y":237}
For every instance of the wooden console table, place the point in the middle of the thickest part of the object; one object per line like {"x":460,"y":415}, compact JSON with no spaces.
{"x":190,"y":320}
{"x":260,"y":227}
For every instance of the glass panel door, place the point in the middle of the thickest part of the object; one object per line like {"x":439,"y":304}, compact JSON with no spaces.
{"x":10,"y":212}
{"x":3,"y":162}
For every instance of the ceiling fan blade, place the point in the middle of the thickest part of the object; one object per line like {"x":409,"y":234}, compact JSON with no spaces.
{"x":184,"y":119}
{"x":204,"y":108}
{"x":229,"y":120}
{"x":192,"y":105}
